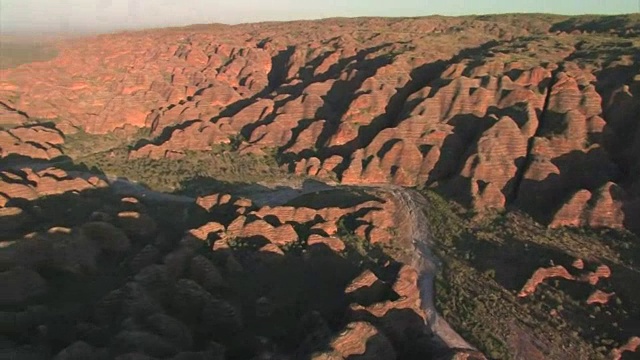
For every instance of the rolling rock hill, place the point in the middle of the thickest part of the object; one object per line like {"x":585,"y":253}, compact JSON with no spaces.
{"x":499,"y":111}
{"x":216,"y":278}
{"x":532,"y":115}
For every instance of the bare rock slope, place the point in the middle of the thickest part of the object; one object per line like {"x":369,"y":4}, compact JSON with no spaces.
{"x":534,"y":112}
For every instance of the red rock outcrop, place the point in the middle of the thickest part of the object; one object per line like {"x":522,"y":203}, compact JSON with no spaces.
{"x":280,"y":235}
{"x":400,"y":317}
{"x":541,"y":275}
{"x":606,"y":210}
{"x":36,"y":142}
{"x":497,"y":118}
{"x":332,"y":242}
{"x":631,"y":346}
{"x":363,"y":340}
{"x":28,"y":184}
{"x":209,"y":202}
{"x":10,"y":116}
{"x":592,"y":277}
{"x":559,"y":271}
{"x":202,"y":233}
{"x":406,"y":286}
{"x":599,"y":297}
{"x":378,"y":218}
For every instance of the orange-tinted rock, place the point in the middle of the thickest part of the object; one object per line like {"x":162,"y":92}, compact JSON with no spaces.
{"x":363,"y":340}
{"x":364,"y":280}
{"x":202,"y":233}
{"x":220,"y":245}
{"x":236,"y":226}
{"x":599,"y":297}
{"x":207,"y":202}
{"x":243,"y":203}
{"x":328,"y":227}
{"x":572,"y":213}
{"x":361,"y":109}
{"x":280,"y":235}
{"x":631,"y":346}
{"x":10,"y":116}
{"x":29,"y":185}
{"x":582,"y":210}
{"x":380,"y":236}
{"x":468,"y":355}
{"x":406,"y":286}
{"x":36,"y":142}
{"x":602,"y":272}
{"x":333,"y":243}
{"x":495,"y":164}
{"x":569,"y":158}
{"x":289,"y":213}
{"x":59,"y":230}
{"x":541,"y":275}
{"x":271,"y":249}
{"x":400,"y":317}
{"x":607,"y":211}
{"x":362,"y":230}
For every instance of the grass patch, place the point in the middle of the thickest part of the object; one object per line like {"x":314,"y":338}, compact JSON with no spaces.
{"x":194,"y":174}
{"x":81,"y":143}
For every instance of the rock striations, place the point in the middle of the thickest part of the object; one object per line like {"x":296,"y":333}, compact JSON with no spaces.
{"x":522,"y":115}
{"x":536,"y":114}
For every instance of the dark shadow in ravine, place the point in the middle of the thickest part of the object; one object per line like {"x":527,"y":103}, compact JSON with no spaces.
{"x":621,"y":133}
{"x":455,"y":151}
{"x":577,"y":170}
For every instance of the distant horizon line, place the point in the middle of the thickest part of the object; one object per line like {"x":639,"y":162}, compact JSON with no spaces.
{"x":81,"y":31}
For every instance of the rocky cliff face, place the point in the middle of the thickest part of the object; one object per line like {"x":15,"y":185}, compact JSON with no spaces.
{"x":537,"y":113}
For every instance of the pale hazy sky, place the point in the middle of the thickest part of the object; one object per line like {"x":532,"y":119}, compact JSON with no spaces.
{"x":101,"y":15}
